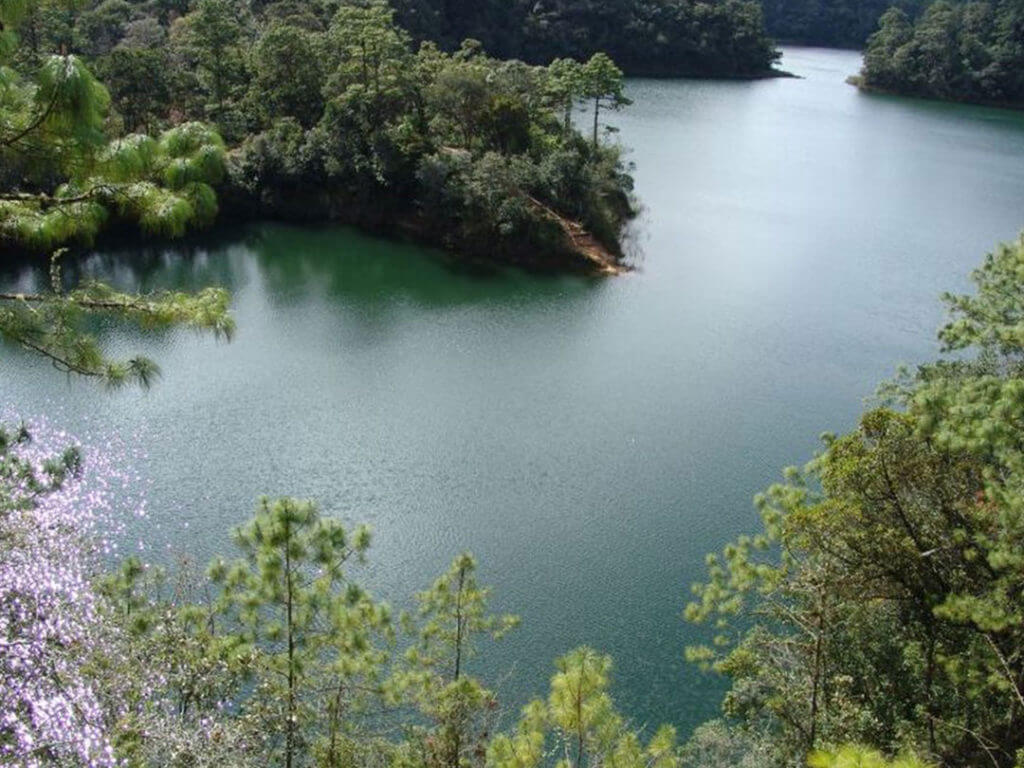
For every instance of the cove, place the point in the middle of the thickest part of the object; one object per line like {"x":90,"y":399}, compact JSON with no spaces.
{"x":588,"y":439}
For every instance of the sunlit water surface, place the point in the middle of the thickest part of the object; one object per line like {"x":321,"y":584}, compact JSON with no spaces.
{"x":589,"y":440}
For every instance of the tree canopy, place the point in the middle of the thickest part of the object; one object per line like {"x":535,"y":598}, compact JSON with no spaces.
{"x":880,"y":603}
{"x":708,"y":38}
{"x":838,"y":23}
{"x":62,"y":179}
{"x":955,"y":51}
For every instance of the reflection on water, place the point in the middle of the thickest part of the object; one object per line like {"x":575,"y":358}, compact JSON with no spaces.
{"x":369,"y":271}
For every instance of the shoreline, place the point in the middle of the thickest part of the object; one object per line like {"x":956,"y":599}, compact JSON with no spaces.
{"x":857,"y":81}
{"x":551,"y":243}
{"x":772,"y":74}
{"x":583,"y":253}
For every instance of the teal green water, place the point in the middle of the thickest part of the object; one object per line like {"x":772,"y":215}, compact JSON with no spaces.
{"x":590,"y":440}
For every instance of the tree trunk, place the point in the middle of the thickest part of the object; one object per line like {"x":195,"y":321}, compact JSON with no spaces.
{"x":289,"y":747}
{"x":579,"y":688}
{"x":458,"y":623}
{"x":930,"y":684}
{"x":816,"y":685}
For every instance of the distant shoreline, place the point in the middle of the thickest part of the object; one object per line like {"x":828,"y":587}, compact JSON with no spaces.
{"x":857,"y":81}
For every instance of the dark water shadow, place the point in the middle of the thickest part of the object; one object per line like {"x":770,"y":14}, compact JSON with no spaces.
{"x":131,"y":264}
{"x":1004,"y":120}
{"x":366,"y":283}
{"x":358,"y":269}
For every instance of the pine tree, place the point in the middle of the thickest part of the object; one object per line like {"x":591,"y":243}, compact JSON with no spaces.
{"x":51,"y":324}
{"x":311,"y":627}
{"x":861,"y":757}
{"x":601,"y":81}
{"x":454,"y":614}
{"x":61,"y":181}
{"x":580,"y":720}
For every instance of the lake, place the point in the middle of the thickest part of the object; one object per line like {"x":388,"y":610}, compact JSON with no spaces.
{"x":590,"y":440}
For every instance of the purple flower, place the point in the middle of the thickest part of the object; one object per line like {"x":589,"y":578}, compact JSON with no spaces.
{"x":61,"y":512}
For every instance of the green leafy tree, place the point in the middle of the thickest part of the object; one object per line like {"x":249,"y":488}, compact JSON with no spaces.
{"x":895,"y":31}
{"x":367,"y":48}
{"x":139,"y":84}
{"x":53,"y":324}
{"x":61,"y":178}
{"x":975,"y":406}
{"x":880,"y":603}
{"x":287,"y":75}
{"x":860,"y":757}
{"x":97,"y":30}
{"x":564,"y":87}
{"x":459,"y":97}
{"x":956,"y":51}
{"x":212,"y":36}
{"x":168,"y":669}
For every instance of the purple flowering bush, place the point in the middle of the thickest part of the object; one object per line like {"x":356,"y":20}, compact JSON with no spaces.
{"x":274,"y":659}
{"x":56,"y":519}
{"x":100,"y":668}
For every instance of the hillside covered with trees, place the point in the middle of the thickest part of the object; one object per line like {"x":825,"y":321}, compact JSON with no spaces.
{"x":830,"y":23}
{"x":972,"y":52}
{"x":689,"y":38}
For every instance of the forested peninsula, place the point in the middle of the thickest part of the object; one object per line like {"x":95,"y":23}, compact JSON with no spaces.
{"x":171,"y":115}
{"x":166,"y":117}
{"x":969,"y":52}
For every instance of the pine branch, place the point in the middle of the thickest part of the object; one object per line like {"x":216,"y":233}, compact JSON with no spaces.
{"x":46,"y":200}
{"x":33,"y":124}
{"x":59,"y":362}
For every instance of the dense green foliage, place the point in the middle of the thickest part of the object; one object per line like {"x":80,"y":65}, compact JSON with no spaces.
{"x":62,"y":179}
{"x":462,"y":150}
{"x":309,"y":628}
{"x":860,"y":757}
{"x":329,"y":112}
{"x":962,"y":52}
{"x":646,"y":37}
{"x":580,"y":723}
{"x":838,"y":23}
{"x":312,"y":668}
{"x":881,"y":603}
